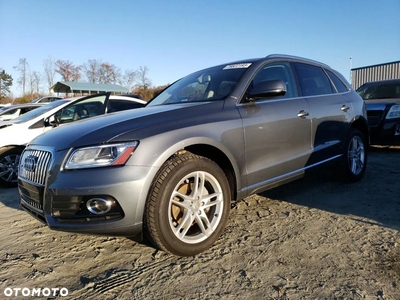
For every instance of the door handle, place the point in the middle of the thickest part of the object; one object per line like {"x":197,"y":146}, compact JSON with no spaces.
{"x":302,"y":114}
{"x":344,"y":108}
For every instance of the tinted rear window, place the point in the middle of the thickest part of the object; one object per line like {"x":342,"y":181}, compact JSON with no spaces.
{"x":340,"y":86}
{"x":313,"y":80}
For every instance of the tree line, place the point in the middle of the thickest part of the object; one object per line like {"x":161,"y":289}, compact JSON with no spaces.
{"x":33,"y":83}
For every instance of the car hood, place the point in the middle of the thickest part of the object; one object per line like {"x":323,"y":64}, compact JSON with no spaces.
{"x":128,"y":125}
{"x":381,"y":104}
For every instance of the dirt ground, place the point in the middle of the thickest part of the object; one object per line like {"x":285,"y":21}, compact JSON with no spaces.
{"x":315,"y":238}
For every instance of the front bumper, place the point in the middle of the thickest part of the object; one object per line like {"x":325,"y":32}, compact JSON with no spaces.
{"x":61,"y":201}
{"x":386,"y":133}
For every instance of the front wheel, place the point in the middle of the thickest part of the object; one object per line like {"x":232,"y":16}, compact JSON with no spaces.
{"x":188,"y":205}
{"x":354,"y":160}
{"x":9,"y":161}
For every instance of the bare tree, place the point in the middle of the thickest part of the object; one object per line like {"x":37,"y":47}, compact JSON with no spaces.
{"x":22,"y":68}
{"x":91,"y":69}
{"x":34,"y":84}
{"x":36,"y":81}
{"x":128,"y":79}
{"x":49,"y":71}
{"x":142,"y":80}
{"x":109,"y":73}
{"x":67,"y":70}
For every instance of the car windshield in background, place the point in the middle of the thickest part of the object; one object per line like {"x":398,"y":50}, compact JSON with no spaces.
{"x":379,"y":90}
{"x":38,"y":111}
{"x":207,"y":85}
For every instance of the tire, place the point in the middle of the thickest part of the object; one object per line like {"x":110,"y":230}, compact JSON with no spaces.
{"x":354,"y":161}
{"x":180,"y":219}
{"x":9,"y":161}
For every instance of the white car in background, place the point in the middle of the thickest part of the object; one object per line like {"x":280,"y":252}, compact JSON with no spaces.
{"x":17,"y":133}
{"x":14,"y":111}
{"x":46,"y":99}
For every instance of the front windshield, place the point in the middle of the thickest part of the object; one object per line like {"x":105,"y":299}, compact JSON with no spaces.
{"x":379,"y":90}
{"x":38,"y":111}
{"x":207,"y":85}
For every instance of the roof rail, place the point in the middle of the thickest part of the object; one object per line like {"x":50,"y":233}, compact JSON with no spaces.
{"x":296,"y":57}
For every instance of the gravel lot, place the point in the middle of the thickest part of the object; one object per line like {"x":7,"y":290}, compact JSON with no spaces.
{"x":315,"y":238}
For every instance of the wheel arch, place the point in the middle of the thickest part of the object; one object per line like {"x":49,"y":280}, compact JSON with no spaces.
{"x":202,"y":146}
{"x":22,"y":147}
{"x":361,"y":124}
{"x":221,"y":159}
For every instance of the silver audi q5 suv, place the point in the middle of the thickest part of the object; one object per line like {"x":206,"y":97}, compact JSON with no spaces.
{"x":172,"y":168}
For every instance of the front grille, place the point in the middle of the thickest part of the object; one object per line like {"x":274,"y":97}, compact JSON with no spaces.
{"x":31,"y":194}
{"x":32,"y":173}
{"x":34,"y":166}
{"x":31,"y":199}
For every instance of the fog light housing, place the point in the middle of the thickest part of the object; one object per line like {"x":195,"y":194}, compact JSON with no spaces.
{"x":99,"y":206}
{"x":397,"y":130}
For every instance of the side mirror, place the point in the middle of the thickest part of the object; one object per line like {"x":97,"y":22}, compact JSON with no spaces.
{"x":50,"y":121}
{"x":267,"y":89}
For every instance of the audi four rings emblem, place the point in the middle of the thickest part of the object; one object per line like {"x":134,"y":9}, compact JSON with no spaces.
{"x":30,"y":163}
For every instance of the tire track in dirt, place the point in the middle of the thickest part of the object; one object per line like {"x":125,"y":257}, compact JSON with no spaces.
{"x":98,"y":288}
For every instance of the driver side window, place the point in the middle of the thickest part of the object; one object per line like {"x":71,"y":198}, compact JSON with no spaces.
{"x":278,"y":71}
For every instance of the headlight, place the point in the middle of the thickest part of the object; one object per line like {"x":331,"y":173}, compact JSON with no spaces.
{"x":100,"y":156}
{"x":394,"y":112}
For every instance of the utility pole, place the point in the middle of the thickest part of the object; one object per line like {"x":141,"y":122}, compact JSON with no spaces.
{"x":351,"y":66}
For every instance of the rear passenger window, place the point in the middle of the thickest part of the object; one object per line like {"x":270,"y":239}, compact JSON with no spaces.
{"x":313,"y":80}
{"x":340,"y":86}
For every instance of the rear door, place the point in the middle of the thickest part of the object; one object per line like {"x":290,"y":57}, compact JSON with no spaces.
{"x":330,"y":112}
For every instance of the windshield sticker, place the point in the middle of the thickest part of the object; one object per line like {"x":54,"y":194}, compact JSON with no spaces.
{"x":237,"y":66}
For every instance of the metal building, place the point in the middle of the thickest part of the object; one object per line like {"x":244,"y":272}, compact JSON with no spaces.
{"x":359,"y":76}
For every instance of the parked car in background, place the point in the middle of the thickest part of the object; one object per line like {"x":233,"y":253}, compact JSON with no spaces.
{"x":15,"y":134}
{"x":46,"y":99}
{"x":13,"y":111}
{"x":382,"y":99}
{"x":137,"y":96}
{"x":3,"y":106}
{"x":217,"y":135}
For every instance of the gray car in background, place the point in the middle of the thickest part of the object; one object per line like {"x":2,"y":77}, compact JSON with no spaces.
{"x":218,"y":135}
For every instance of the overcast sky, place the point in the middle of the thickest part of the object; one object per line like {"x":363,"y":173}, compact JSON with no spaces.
{"x":174,"y":38}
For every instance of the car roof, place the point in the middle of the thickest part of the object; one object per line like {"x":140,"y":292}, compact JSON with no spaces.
{"x":395,"y":80}
{"x":128,"y":98}
{"x":273,"y":57}
{"x":114,"y":97}
{"x":136,"y":96}
{"x":22,"y":105}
